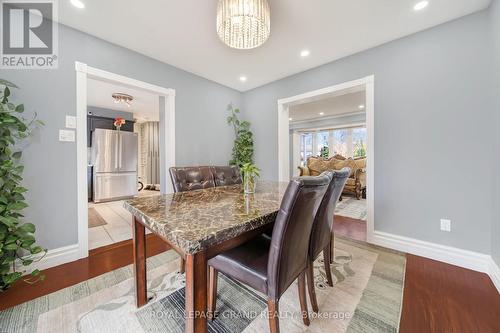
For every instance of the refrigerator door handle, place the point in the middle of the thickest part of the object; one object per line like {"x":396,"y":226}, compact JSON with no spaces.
{"x":120,"y":150}
{"x":116,"y":154}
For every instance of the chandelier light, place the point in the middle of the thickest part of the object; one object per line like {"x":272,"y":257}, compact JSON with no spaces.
{"x":122,"y":98}
{"x":243,"y":24}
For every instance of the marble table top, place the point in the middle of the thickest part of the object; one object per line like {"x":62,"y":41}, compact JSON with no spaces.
{"x":194,"y":221}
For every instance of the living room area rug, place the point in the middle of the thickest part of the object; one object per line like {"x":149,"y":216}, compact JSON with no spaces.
{"x":366,"y":297}
{"x":352,"y":207}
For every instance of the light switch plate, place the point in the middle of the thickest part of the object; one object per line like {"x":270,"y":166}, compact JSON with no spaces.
{"x":445,"y":225}
{"x":70,"y":122}
{"x":66,"y":136}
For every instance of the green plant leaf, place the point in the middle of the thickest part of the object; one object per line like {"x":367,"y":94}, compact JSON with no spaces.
{"x":6,"y":93}
{"x":20,"y":108}
{"x":10,"y":247}
{"x":27,"y":227}
{"x":17,"y":155}
{"x":17,"y":206}
{"x":7,"y":83}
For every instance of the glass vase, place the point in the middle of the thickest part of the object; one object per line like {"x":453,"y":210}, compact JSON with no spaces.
{"x":249,"y":184}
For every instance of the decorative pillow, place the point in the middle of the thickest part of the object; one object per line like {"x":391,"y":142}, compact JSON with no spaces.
{"x":317,"y":165}
{"x":340,"y":164}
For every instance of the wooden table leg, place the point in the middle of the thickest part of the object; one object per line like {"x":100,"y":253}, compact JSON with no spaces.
{"x":139,"y":241}
{"x":196,"y":293}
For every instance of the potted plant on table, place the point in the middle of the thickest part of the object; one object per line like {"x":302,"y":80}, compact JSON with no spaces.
{"x":250,"y":173}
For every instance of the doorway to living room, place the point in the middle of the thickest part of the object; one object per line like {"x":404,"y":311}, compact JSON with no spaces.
{"x":332,"y":128}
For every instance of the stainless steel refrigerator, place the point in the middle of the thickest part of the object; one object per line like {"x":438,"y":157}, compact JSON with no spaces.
{"x":114,"y":158}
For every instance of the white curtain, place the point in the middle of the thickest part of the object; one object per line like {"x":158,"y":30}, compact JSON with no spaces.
{"x":152,"y":152}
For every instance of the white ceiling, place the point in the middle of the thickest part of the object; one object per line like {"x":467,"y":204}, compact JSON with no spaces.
{"x":145,"y":105}
{"x":332,"y":106}
{"x":182,"y":33}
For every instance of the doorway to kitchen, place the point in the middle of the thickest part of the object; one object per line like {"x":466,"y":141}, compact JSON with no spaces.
{"x":331,"y":128}
{"x":125,"y":143}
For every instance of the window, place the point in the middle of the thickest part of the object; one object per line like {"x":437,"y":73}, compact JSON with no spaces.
{"x":348,"y":142}
{"x":306,"y":147}
{"x":340,"y":142}
{"x":322,"y":144}
{"x":359,"y":142}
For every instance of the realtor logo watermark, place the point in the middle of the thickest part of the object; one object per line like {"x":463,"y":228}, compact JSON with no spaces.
{"x":29,"y":34}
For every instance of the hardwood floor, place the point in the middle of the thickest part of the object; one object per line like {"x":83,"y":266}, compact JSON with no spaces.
{"x":444,"y":298}
{"x":437,"y":297}
{"x":350,"y":228}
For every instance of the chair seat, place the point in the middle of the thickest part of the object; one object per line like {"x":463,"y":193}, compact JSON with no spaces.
{"x":246,"y":263}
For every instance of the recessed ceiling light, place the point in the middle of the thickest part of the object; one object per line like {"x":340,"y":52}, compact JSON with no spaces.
{"x":305,"y":53}
{"x":78,"y":4}
{"x":420,"y":5}
{"x":321,"y":113}
{"x":243,"y":78}
{"x":290,"y":119}
{"x":361,"y":106}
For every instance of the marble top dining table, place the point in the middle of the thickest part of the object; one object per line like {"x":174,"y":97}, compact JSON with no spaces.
{"x":198,"y":225}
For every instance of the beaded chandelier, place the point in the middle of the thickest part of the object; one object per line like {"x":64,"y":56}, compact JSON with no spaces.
{"x":243,"y":24}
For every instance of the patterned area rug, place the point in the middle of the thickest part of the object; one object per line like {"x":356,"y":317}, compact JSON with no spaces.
{"x":352,"y":207}
{"x":366,"y":297}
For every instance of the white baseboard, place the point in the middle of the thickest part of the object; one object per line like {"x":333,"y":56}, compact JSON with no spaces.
{"x":53,"y":258}
{"x":495,"y":274}
{"x":59,"y":256}
{"x":467,"y":259}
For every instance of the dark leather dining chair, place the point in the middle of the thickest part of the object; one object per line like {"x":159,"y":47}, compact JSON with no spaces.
{"x":227,"y":175}
{"x":271,"y":265}
{"x":322,"y":232}
{"x":191,"y":178}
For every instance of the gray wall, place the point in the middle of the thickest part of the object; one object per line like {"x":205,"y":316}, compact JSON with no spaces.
{"x":495,"y":230}
{"x":431,"y":137}
{"x":202,"y":135}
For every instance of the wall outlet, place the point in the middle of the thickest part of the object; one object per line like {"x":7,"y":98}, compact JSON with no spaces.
{"x":445,"y":225}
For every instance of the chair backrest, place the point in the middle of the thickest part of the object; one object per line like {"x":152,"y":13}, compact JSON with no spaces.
{"x":323,"y":223}
{"x":192,"y":178}
{"x":292,"y":229}
{"x":227,"y":175}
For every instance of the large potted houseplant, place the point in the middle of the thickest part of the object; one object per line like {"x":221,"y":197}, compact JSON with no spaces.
{"x":18,"y":249}
{"x":243,"y":142}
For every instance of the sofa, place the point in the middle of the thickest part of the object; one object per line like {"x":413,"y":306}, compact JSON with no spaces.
{"x":356,"y":183}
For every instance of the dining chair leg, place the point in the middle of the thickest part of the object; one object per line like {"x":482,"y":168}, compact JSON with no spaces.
{"x":311,"y":288}
{"x":212,"y":292}
{"x":303,"y":299}
{"x":182,"y":267}
{"x":331,"y":250}
{"x":273,"y":314}
{"x":326,"y":260}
